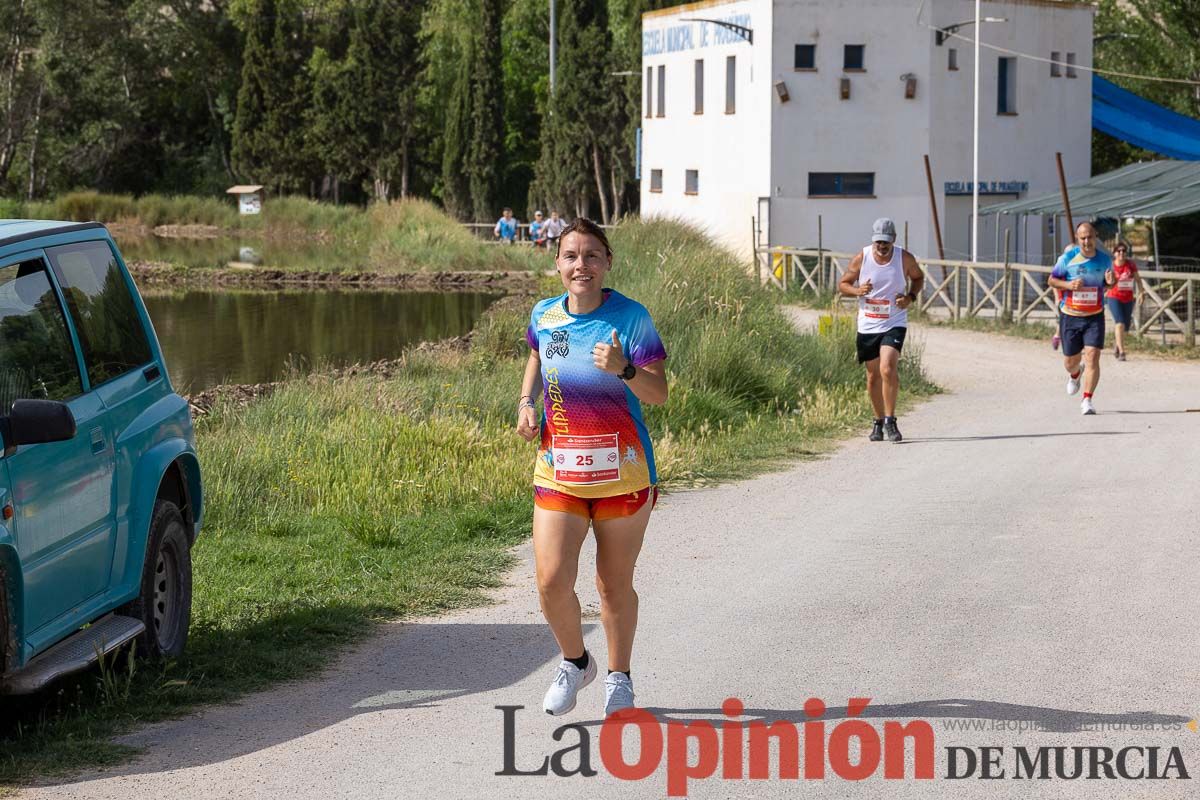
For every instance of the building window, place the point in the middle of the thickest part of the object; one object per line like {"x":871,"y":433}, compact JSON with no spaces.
{"x":852,"y":61}
{"x":730,"y":84}
{"x":1055,"y":64}
{"x":656,"y":180}
{"x":952,"y":58}
{"x":691,"y":183}
{"x":1071,"y":65}
{"x":1006,"y":86}
{"x":662,"y":90}
{"x":699,"y":86}
{"x":806,"y":56}
{"x":649,"y":92}
{"x":841,"y":184}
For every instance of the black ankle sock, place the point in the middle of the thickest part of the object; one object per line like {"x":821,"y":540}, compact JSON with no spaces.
{"x":624,"y":672}
{"x":580,"y":662}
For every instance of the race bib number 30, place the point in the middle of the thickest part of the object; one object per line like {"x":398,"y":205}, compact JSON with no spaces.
{"x":877,"y":307}
{"x":586,"y":459}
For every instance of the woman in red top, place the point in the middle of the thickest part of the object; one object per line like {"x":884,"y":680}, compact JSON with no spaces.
{"x":1121,"y":297}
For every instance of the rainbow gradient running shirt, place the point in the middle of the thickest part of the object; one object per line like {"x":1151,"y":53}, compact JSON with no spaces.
{"x":594,"y":442}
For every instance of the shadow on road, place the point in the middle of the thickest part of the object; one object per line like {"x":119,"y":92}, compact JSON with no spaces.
{"x":1180,"y":411}
{"x":922,"y":439}
{"x":406,"y":666}
{"x":1055,"y":720}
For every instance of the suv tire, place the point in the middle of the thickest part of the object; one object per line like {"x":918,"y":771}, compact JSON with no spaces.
{"x":164,"y":602}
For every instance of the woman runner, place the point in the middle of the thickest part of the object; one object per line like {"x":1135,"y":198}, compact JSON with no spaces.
{"x":595,"y":359}
{"x":1123,"y":293}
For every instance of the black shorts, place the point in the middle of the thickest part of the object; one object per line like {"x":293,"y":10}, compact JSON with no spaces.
{"x":1080,"y":332}
{"x":869,"y":343}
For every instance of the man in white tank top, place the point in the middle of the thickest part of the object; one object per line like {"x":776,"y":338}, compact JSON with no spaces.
{"x":886,"y":280}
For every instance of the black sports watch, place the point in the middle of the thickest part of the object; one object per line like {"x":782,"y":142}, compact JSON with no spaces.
{"x":629,"y":372}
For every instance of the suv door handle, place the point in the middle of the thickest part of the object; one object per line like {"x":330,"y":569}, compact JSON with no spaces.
{"x":98,"y":440}
{"x":150,"y":373}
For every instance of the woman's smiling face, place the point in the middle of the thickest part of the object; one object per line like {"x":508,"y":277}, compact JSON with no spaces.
{"x":582,"y":263}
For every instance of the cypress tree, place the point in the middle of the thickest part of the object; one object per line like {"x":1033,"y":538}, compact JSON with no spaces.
{"x":456,"y":143}
{"x":574,"y":138}
{"x":250,"y":151}
{"x":487,"y":115}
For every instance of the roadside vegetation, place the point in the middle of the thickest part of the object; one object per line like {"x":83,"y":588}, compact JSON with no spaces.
{"x":1146,"y":345}
{"x":336,"y":504}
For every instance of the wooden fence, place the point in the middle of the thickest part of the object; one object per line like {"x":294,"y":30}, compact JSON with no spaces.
{"x":1014,"y":292}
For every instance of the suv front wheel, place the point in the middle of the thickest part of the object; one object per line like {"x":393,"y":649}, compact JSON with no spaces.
{"x":164,"y":603}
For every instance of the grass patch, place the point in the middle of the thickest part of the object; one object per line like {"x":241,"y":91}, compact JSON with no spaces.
{"x":334,"y":504}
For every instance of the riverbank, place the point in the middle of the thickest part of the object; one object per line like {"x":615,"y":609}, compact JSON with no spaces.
{"x":336,"y":501}
{"x":150,"y":275}
{"x":296,"y":234}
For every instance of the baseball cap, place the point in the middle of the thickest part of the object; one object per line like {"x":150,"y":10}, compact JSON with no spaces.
{"x":884,"y":230}
{"x":537,"y":213}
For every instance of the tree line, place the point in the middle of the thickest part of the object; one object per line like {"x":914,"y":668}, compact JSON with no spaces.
{"x":353,"y":100}
{"x":345,"y":100}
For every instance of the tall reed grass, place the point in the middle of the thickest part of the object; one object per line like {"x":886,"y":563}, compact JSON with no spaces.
{"x":416,"y":235}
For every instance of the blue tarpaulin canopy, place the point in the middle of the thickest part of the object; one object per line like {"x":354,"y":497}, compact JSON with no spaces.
{"x":1134,"y":119}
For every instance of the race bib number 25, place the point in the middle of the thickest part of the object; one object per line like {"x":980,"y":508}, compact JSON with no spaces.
{"x":586,"y":459}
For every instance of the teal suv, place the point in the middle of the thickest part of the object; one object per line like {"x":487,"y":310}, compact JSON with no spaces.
{"x":100,"y":492}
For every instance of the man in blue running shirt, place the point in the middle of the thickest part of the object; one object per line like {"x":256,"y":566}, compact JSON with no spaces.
{"x":506,"y":227}
{"x":1081,"y":275}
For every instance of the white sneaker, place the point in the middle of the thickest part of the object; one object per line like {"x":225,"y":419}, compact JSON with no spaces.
{"x":568,"y":680}
{"x":618,"y":693}
{"x":1086,"y":406}
{"x":1073,"y":383}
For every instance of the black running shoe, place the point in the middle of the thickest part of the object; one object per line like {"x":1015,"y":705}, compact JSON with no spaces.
{"x":891,"y":431}
{"x":877,"y":431}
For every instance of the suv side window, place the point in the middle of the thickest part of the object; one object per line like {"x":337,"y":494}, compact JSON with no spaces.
{"x":37,"y":360}
{"x":110,"y":331}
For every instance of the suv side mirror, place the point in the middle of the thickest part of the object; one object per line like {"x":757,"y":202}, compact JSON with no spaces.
{"x":37,"y":422}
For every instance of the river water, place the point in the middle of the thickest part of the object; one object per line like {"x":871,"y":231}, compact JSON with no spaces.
{"x":233,"y":336}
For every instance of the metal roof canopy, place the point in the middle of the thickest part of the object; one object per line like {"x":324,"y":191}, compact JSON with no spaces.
{"x":1146,"y":190}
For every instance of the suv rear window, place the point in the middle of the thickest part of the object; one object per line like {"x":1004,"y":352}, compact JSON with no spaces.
{"x":37,"y":360}
{"x":99,"y":302}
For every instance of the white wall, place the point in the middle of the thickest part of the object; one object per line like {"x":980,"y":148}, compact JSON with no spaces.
{"x":730,"y":151}
{"x":768,"y":147}
{"x":1053,"y":114}
{"x":876,"y":130}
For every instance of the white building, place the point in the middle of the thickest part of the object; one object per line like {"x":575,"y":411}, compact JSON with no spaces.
{"x":760,"y":115}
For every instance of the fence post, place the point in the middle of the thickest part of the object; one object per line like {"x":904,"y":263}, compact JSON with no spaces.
{"x":955,"y":313}
{"x":820,"y":254}
{"x":1191,"y":312}
{"x":1006,"y":304}
{"x":754,"y":248}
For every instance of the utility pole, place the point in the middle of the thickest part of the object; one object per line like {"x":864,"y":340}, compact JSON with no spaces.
{"x":553,"y":41}
{"x":975,"y":149}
